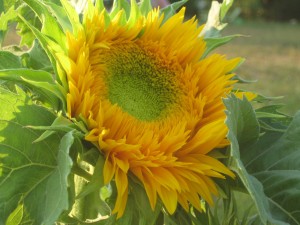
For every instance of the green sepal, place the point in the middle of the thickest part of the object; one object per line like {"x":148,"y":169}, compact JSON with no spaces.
{"x":271,"y":119}
{"x":215,"y":18}
{"x":90,"y":156}
{"x":88,"y":11}
{"x":262,"y":98}
{"x":147,"y":216}
{"x":225,"y":6}
{"x":134,"y":13}
{"x":180,"y":217}
{"x":145,"y":7}
{"x":243,"y":80}
{"x":59,"y":12}
{"x":215,"y":42}
{"x":216,"y":14}
{"x":260,"y":115}
{"x":119,"y":5}
{"x":138,"y":209}
{"x":99,"y":5}
{"x":72,"y":15}
{"x":96,"y":182}
{"x":170,"y":10}
{"x":59,"y":124}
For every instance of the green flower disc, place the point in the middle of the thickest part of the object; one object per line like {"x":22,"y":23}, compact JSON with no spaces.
{"x":139,"y":83}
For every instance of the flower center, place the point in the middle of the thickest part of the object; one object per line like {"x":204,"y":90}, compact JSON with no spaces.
{"x":139,"y":82}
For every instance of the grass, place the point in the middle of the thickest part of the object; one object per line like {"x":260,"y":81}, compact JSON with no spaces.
{"x":272,"y":52}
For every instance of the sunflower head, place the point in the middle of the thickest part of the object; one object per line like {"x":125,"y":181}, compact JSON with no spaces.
{"x":151,"y":103}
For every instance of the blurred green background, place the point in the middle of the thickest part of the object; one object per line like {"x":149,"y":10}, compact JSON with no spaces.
{"x":271,"y":46}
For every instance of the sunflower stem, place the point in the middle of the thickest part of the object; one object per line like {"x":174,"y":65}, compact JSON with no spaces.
{"x":81,"y":173}
{"x":78,"y":208}
{"x":84,"y":208}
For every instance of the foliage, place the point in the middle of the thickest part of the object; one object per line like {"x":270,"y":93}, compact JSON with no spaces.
{"x":251,"y":9}
{"x":275,"y":10}
{"x":49,"y":173}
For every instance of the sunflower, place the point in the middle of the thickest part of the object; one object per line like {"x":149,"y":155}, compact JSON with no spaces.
{"x":151,"y":103}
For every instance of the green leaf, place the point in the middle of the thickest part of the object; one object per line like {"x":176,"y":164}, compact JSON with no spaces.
{"x":6,"y":4}
{"x":50,"y":26}
{"x":241,"y":121}
{"x":26,"y":34}
{"x":51,"y":47}
{"x":40,"y":81}
{"x":33,"y":174}
{"x":7,"y":16}
{"x":8,"y":60}
{"x":51,"y":93}
{"x":16,"y":216}
{"x":237,"y":121}
{"x":2,"y":35}
{"x":20,"y":74}
{"x":1,"y":6}
{"x":269,"y":168}
{"x":36,"y":58}
{"x":275,"y":162}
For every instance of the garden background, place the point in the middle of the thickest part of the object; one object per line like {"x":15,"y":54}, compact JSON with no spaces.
{"x":271,"y":45}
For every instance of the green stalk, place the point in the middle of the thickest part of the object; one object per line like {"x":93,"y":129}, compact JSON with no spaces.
{"x":78,"y":207}
{"x":84,"y":208}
